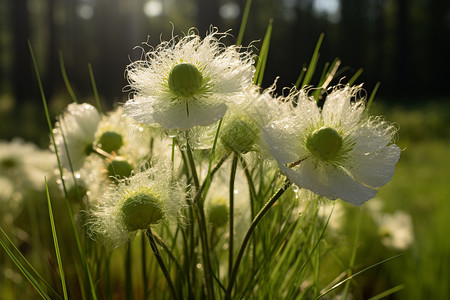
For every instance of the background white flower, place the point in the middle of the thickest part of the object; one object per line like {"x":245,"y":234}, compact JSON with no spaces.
{"x":187,"y":82}
{"x":23,"y":169}
{"x":77,"y":126}
{"x":337,"y":152}
{"x":108,"y":223}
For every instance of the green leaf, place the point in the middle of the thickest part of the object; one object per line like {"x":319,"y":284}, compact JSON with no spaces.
{"x":244,"y":22}
{"x":356,"y":274}
{"x":312,"y":66}
{"x":372,"y":96}
{"x":94,"y":88}
{"x":55,"y":241}
{"x":23,"y":269}
{"x":72,"y":221}
{"x":262,"y":59}
{"x":66,"y":79}
{"x":355,"y":77}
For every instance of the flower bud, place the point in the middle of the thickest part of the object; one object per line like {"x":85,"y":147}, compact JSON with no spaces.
{"x":141,"y":210}
{"x":324,"y":143}
{"x":185,"y":80}
{"x":239,"y":136}
{"x":110,"y":141}
{"x":217,"y":212}
{"x":119,"y":168}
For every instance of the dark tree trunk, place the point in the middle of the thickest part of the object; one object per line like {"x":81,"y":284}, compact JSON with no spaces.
{"x":52,"y":70}
{"x":22,"y":80}
{"x":402,"y":56}
{"x":208,"y":14}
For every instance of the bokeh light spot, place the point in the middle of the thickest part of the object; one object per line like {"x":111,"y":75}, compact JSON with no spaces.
{"x":153,"y":8}
{"x":229,"y":10}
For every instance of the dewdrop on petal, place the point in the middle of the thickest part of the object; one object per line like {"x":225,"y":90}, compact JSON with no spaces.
{"x":142,"y":200}
{"x":337,"y":151}
{"x":187,"y":81}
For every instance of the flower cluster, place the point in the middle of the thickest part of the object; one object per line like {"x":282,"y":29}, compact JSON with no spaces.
{"x":191,"y":91}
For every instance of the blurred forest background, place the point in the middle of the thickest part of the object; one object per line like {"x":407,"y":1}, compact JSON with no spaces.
{"x":404,"y":44}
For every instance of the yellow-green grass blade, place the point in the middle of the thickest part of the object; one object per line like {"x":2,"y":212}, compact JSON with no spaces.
{"x":243,"y":22}
{"x":262,"y":59}
{"x":66,"y":79}
{"x":50,"y":126}
{"x":23,"y":269}
{"x":94,"y":88}
{"x":56,"y":244}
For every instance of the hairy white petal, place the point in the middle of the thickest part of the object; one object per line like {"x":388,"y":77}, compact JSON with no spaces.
{"x":365,"y":160}
{"x":312,"y":177}
{"x":74,"y":132}
{"x":348,"y":189}
{"x":226,"y":72}
{"x":339,"y":110}
{"x":374,"y":169}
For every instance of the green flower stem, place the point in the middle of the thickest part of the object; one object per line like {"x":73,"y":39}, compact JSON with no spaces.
{"x":253,"y":196}
{"x":128,"y":276}
{"x":187,"y":263}
{"x":201,"y":219}
{"x":200,"y":212}
{"x":205,"y":186}
{"x":161,"y":263}
{"x":144,"y":267}
{"x":166,"y":248}
{"x":192,"y":163}
{"x":231,"y":214}
{"x":252,"y":227}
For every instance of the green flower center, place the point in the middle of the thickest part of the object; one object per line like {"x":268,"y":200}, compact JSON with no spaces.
{"x":141,"y":210}
{"x":239,"y":136}
{"x":185,"y":80}
{"x":8,"y":163}
{"x":324,"y":143}
{"x":110,"y":141}
{"x":119,"y":168}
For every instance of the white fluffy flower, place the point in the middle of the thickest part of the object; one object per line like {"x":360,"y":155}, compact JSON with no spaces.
{"x":241,"y":127}
{"x":23,"y":167}
{"x":337,"y":152}
{"x":187,"y":82}
{"x":25,"y":164}
{"x":77,"y":127}
{"x":396,"y":230}
{"x":137,"y":202}
{"x":119,"y":134}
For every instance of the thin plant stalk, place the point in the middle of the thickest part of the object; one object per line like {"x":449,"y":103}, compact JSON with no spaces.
{"x":94,"y":88}
{"x":55,"y":241}
{"x":251,"y":229}
{"x":231,"y":215}
{"x":128,"y":273}
{"x":244,"y":22}
{"x":66,"y":79}
{"x":144,"y":266}
{"x":72,"y":221}
{"x":161,"y":263}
